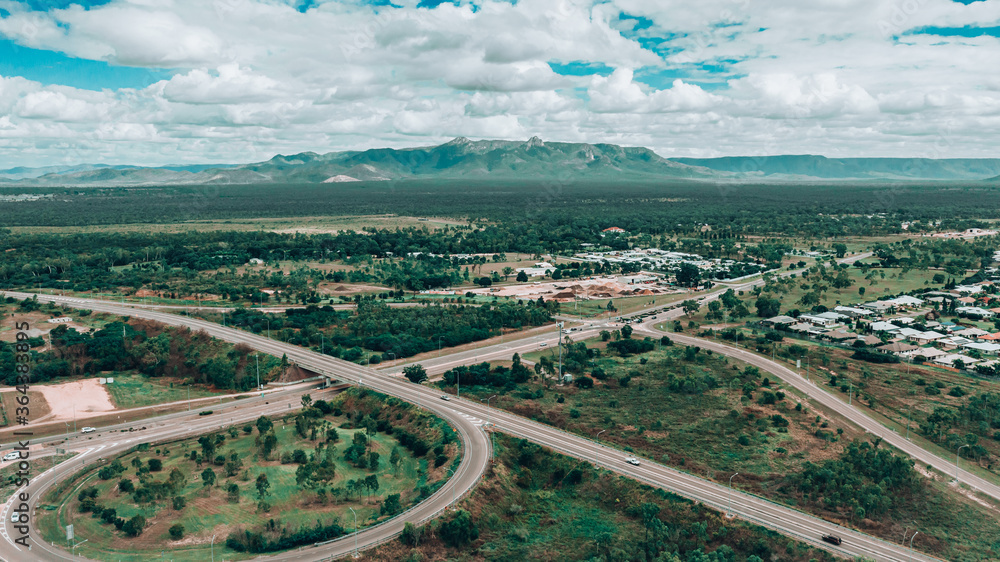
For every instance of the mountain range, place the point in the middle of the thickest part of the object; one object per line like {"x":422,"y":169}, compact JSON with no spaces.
{"x":533,"y":159}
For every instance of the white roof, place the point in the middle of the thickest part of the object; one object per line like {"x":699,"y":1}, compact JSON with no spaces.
{"x":830,"y":316}
{"x":906,"y":300}
{"x":929,"y":352}
{"x":968,"y":288}
{"x":909,"y":332}
{"x":951,"y":358}
{"x":974,"y":310}
{"x":971,"y":332}
{"x":984,"y":347}
{"x":954,"y":340}
{"x":853,"y":310}
{"x":884,"y":327}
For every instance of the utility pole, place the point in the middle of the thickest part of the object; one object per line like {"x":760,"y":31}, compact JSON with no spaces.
{"x":355,"y":531}
{"x":958,"y":458}
{"x":256,"y":360}
{"x":560,"y":351}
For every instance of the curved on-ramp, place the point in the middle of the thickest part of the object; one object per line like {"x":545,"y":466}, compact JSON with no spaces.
{"x":475,"y":444}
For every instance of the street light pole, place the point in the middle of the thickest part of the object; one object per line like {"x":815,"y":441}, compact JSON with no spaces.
{"x":957,"y":458}
{"x":213,"y":548}
{"x":729,"y":510}
{"x":908,"y":422}
{"x":256,"y":359}
{"x":597,"y":446}
{"x":915,"y":533}
{"x":355,"y":531}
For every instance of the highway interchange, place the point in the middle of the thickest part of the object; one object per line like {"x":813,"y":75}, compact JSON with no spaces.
{"x":467,"y":417}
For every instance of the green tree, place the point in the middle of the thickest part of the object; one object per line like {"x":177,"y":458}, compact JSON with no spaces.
{"x":459,"y":530}
{"x":133,"y":527}
{"x":208,"y":477}
{"x":522,"y":277}
{"x":415,"y":373}
{"x":263,"y":486}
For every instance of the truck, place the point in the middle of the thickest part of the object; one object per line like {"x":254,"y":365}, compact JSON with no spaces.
{"x":832,"y":539}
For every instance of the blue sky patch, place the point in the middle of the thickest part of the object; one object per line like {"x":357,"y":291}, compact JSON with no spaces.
{"x":49,"y":5}
{"x":50,"y":67}
{"x":580,"y":68}
{"x":966,"y":31}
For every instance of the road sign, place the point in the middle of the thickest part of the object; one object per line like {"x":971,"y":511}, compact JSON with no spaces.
{"x":69,"y":532}
{"x":111,"y":380}
{"x":102,"y":380}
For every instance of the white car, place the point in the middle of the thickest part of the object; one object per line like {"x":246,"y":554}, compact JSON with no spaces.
{"x":15,"y":517}
{"x":89,"y":429}
{"x":632,"y":460}
{"x":445,"y":397}
{"x":12,"y":456}
{"x":543,"y":344}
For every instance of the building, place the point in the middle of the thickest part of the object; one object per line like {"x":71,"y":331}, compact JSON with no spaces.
{"x":898,"y":349}
{"x":884,"y":327}
{"x":906,"y":301}
{"x":984,"y":347}
{"x":853,"y":312}
{"x":975,"y":311}
{"x":949,"y":360}
{"x":614,"y":230}
{"x":817,"y":320}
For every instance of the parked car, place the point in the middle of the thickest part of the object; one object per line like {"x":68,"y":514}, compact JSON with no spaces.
{"x":12,"y":456}
{"x":89,"y":429}
{"x":632,"y":460}
{"x":832,"y":539}
{"x":15,"y":517}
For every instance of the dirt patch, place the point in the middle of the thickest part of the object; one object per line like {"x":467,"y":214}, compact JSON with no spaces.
{"x":86,"y":397}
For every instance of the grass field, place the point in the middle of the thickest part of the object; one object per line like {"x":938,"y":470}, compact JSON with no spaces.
{"x":306,"y":225}
{"x":136,"y":391}
{"x":208,"y":511}
{"x":715,"y":431}
{"x":529,"y":509}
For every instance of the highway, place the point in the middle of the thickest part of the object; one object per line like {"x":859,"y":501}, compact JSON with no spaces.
{"x":468,"y":418}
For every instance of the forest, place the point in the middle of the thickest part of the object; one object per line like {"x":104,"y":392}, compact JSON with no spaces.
{"x":137,"y":345}
{"x":391,"y":331}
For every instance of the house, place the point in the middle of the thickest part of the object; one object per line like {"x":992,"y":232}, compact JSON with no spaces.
{"x":908,"y":332}
{"x":839,"y":336}
{"x":884,"y":327}
{"x":991,"y":337}
{"x":949,"y":360}
{"x":924,"y":338}
{"x":973,"y":333}
{"x":836,"y":317}
{"x":975,"y":311}
{"x":898,"y":349}
{"x":952,"y":342}
{"x":256,"y":261}
{"x":869,"y":340}
{"x":779,"y":321}
{"x":817,"y":320}
{"x":853,"y":312}
{"x":968,"y":289}
{"x":928,"y":353}
{"x":983,"y":347}
{"x":614,"y":230}
{"x":906,"y":301}
{"x":879,"y":306}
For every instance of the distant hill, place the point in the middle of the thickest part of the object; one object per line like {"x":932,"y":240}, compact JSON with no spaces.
{"x":821,"y":167}
{"x":533,"y":159}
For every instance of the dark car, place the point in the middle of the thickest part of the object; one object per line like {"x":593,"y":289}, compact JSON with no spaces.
{"x":832,"y":539}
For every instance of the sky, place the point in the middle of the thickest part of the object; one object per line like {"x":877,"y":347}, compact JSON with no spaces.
{"x":158,"y":82}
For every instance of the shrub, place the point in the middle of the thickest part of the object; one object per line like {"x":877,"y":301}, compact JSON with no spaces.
{"x":133,"y":527}
{"x":177,"y":531}
{"x":957,"y":392}
{"x":932,"y":390}
{"x":179,"y":502}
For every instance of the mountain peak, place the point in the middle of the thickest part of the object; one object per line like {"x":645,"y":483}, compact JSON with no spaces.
{"x":533,"y":142}
{"x":458,"y":141}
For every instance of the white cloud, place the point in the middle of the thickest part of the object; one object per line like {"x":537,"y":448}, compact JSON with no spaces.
{"x":254,"y":77}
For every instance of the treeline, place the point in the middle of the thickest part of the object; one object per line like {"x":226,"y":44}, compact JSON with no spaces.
{"x":864,"y":482}
{"x":143,"y":346}
{"x":392,"y":331}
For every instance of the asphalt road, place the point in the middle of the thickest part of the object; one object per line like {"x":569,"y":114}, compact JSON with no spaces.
{"x":468,"y":418}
